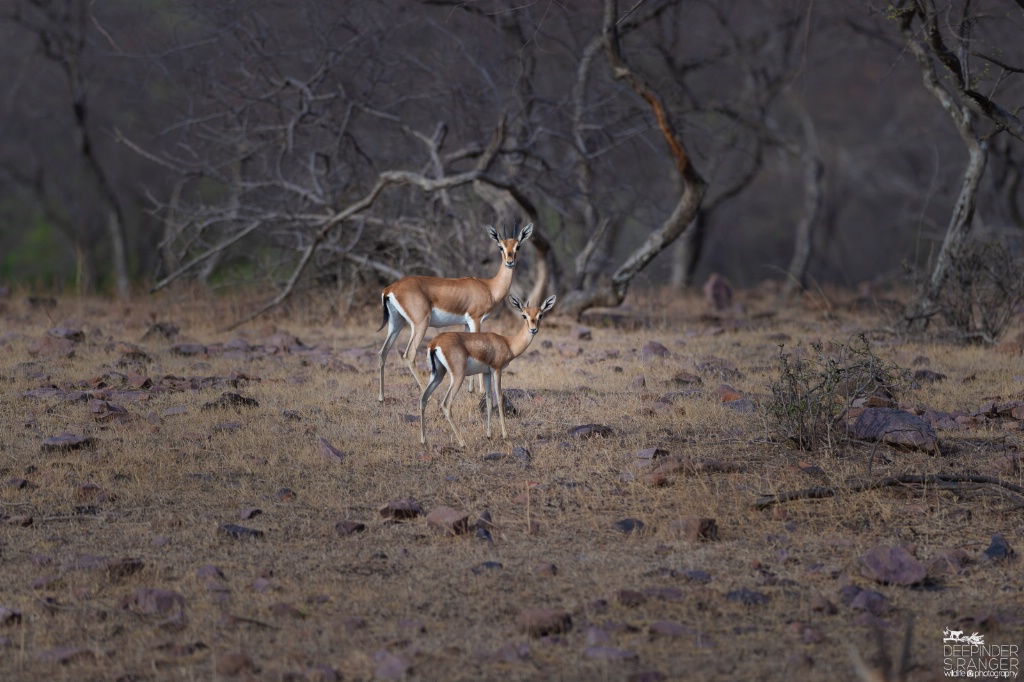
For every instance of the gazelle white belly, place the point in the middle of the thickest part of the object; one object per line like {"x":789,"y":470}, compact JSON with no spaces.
{"x":474,"y":366}
{"x":443,"y":318}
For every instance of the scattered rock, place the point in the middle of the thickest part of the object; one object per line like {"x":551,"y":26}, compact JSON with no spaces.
{"x":891,"y":566}
{"x":511,"y":652}
{"x":9,"y":616}
{"x":188,"y":349}
{"x":67,"y":441}
{"x":821,"y":604}
{"x":727,"y":393}
{"x":631,"y":598}
{"x":628,"y":525}
{"x":540,"y":622}
{"x":896,"y":427}
{"x":229,"y":399}
{"x":873,"y":602}
{"x":401,"y":510}
{"x":653,"y":349}
{"x":122,"y":568}
{"x":65,"y":655}
{"x":448,"y":521}
{"x":607,"y":653}
{"x":748,"y":597}
{"x":695,"y":528}
{"x":156,"y":601}
{"x":233,"y":664}
{"x":240,"y":532}
{"x":390,"y":666}
{"x":348,"y":527}
{"x":998,"y":549}
{"x":588,"y":431}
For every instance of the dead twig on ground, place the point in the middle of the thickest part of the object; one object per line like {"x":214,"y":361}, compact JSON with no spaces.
{"x":943,"y":481}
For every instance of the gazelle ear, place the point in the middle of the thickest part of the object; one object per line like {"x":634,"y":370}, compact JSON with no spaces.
{"x":525,"y":233}
{"x":515,"y":303}
{"x":548,"y":304}
{"x":494,"y":233}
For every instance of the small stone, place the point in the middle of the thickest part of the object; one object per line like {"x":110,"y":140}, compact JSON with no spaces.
{"x":448,"y":521}
{"x":401,"y":510}
{"x":822,"y":605}
{"x":546,"y":569}
{"x":748,"y":597}
{"x":998,"y":549}
{"x":695,"y":528}
{"x":631,"y":598}
{"x":873,"y":602}
{"x":588,"y":431}
{"x":240,"y":532}
{"x":122,"y":568}
{"x":606,"y":653}
{"x":628,"y":526}
{"x":348,"y":527}
{"x":540,"y":622}
{"x":892,"y":566}
{"x":234,"y":663}
{"x":390,"y":666}
{"x":653,"y":349}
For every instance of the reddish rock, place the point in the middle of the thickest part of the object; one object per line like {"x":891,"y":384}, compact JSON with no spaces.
{"x":234,"y":663}
{"x":727,"y":393}
{"x":401,"y":510}
{"x":539,"y":622}
{"x":892,"y":566}
{"x":448,"y":521}
{"x":695,"y":528}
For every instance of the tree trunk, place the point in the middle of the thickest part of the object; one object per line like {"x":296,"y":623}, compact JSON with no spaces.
{"x":920,"y":312}
{"x":610,"y":291}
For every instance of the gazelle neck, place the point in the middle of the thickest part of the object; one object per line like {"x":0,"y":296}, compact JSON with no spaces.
{"x":521,"y":341}
{"x":501,"y":282}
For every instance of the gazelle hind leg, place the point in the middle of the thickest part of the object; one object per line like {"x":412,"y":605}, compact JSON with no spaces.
{"x":395,"y":324}
{"x":415,"y":338}
{"x":436,"y":377}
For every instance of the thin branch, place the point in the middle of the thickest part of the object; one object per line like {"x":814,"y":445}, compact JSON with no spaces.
{"x":943,"y":481}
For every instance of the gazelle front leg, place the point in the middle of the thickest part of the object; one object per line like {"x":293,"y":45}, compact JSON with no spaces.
{"x":486,"y":378}
{"x":501,"y":404}
{"x":474,"y":326}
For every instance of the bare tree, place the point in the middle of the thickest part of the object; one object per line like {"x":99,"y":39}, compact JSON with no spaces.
{"x":62,"y":31}
{"x":961,"y":41}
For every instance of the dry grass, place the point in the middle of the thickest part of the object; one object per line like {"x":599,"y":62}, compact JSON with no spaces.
{"x":176,"y":478}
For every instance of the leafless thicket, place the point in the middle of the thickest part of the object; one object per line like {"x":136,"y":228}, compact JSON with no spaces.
{"x":298,"y":145}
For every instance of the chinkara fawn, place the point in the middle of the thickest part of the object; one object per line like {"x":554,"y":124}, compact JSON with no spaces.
{"x":423,"y":302}
{"x":462,"y":354}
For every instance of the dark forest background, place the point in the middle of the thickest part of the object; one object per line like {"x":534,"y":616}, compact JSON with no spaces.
{"x":321,"y":146}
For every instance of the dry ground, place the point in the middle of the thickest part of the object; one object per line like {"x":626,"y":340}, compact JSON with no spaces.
{"x":305,"y":602}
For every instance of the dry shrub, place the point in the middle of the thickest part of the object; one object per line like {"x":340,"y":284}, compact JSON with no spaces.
{"x":815,"y":388}
{"x":983,"y":289}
